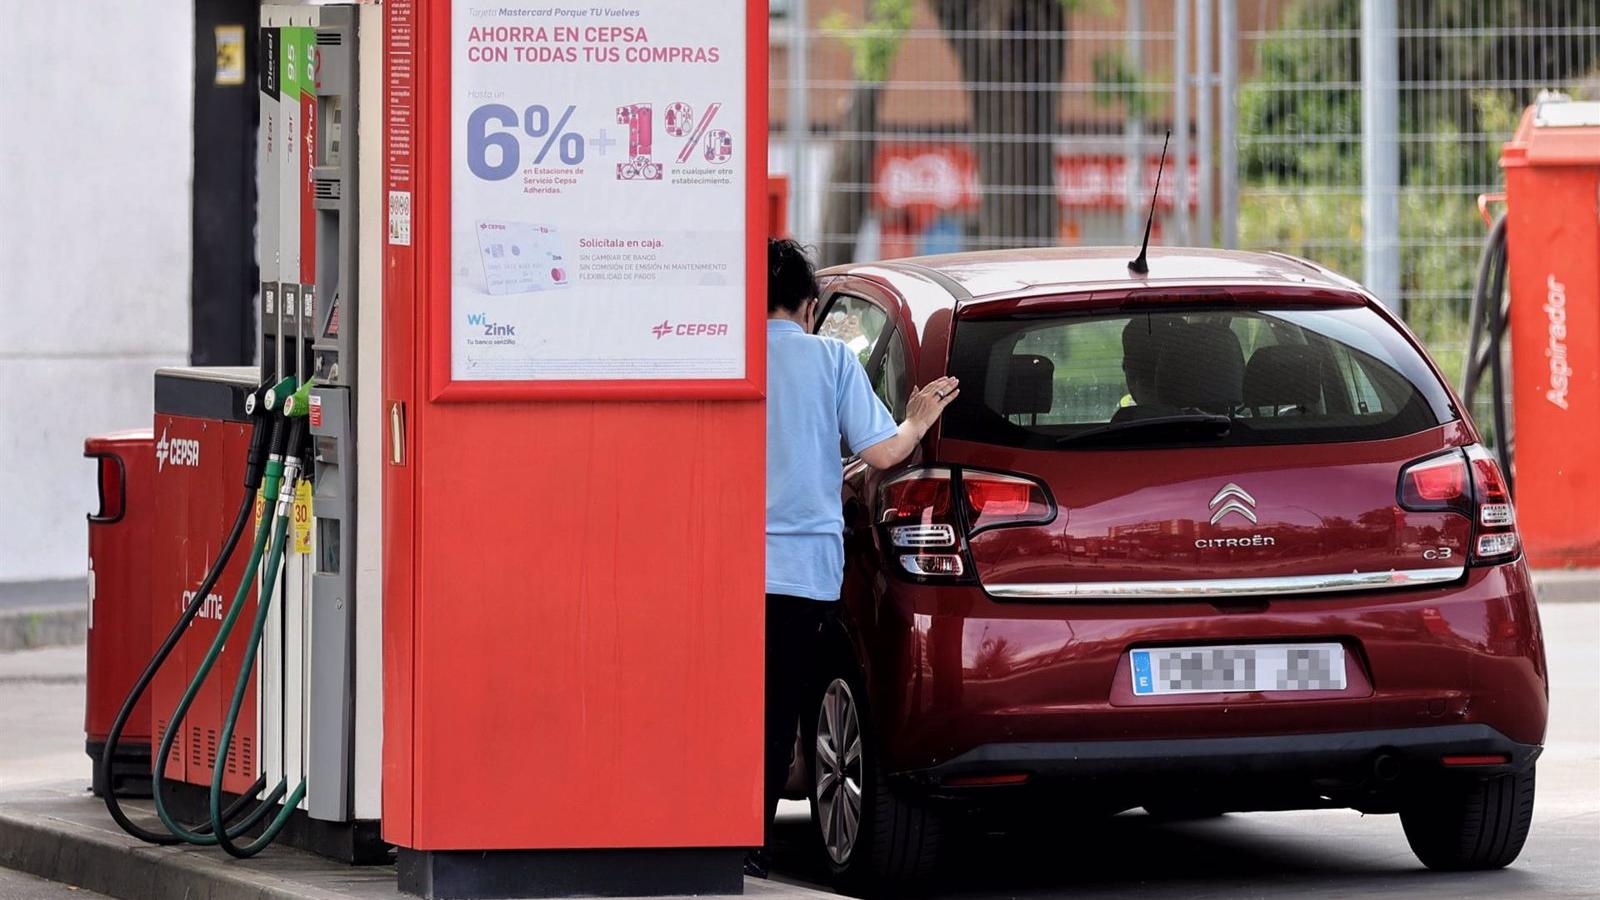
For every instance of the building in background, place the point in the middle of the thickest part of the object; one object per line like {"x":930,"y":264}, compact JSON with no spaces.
{"x":95,"y":169}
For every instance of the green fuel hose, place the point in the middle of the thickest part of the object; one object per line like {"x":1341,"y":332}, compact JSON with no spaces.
{"x":270,"y":486}
{"x":261,"y":438}
{"x":252,"y":645}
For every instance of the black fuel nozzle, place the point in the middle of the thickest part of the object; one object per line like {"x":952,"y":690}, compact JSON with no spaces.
{"x":271,"y":406}
{"x":260,"y":436}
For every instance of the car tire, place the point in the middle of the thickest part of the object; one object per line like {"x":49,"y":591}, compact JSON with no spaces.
{"x":1470,"y":824}
{"x":895,"y":840}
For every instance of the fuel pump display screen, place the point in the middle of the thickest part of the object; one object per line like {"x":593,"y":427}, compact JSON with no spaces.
{"x":599,"y":191}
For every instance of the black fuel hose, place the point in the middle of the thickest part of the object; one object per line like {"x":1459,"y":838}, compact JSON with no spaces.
{"x":1486,"y":330}
{"x":260,"y":440}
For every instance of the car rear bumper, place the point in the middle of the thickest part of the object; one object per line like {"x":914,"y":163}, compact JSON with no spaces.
{"x":974,"y":673}
{"x":1346,"y":757}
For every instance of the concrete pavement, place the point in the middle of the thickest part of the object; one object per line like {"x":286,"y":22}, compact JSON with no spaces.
{"x":15,"y":885}
{"x":50,"y":825}
{"x":41,"y":717}
{"x":42,"y":613}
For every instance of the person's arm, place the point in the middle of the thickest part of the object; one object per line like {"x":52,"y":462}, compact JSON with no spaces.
{"x":922,"y":411}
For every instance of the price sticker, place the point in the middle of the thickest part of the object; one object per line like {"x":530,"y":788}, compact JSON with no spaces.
{"x":300,"y":516}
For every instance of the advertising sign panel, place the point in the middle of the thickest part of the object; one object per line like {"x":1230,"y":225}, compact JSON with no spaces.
{"x":600,"y":164}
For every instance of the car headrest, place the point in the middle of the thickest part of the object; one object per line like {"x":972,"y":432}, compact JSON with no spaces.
{"x":1284,"y":375}
{"x":1030,"y":385}
{"x":1205,"y":370}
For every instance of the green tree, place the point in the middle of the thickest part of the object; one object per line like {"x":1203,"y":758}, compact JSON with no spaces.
{"x":1300,"y":150}
{"x":1012,"y":55}
{"x":874,"y":45}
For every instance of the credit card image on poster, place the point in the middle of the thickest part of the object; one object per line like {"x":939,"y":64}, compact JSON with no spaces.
{"x":519,"y":257}
{"x":466,"y":261}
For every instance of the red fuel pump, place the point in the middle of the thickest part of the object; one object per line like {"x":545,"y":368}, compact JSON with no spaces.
{"x":573,"y":493}
{"x":1552,"y":236}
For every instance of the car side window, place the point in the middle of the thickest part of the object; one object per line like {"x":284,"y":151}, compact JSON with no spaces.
{"x":892,"y":380}
{"x":863,"y":326}
{"x":859,"y":323}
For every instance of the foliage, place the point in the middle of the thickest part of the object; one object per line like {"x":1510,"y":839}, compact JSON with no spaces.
{"x":1117,"y":80}
{"x":1300,"y":142}
{"x":875,"y":43}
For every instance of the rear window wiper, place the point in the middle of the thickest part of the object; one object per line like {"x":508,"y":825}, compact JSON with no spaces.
{"x":1202,"y":423}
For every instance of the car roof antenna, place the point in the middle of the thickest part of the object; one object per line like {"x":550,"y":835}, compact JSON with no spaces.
{"x":1138,"y":265}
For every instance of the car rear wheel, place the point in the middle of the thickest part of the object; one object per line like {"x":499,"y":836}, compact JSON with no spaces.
{"x":874,"y":837}
{"x":1471,"y":824}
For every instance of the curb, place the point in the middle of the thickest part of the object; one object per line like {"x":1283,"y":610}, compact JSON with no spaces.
{"x":119,"y":866}
{"x":61,"y":832}
{"x":1566,"y":585}
{"x":47,"y":626}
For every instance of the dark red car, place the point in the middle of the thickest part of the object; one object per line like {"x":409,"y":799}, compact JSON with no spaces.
{"x":1218,"y":538}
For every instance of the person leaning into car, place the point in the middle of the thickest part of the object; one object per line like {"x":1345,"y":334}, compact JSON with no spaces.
{"x":817,"y":393}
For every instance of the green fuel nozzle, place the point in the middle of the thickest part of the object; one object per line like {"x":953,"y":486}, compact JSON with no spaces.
{"x":280,"y":392}
{"x":298,"y":404}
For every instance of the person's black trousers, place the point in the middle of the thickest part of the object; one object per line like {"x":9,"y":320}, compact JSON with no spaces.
{"x":794,"y":648}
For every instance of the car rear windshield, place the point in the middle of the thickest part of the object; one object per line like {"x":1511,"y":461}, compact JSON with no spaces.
{"x":1212,"y":377}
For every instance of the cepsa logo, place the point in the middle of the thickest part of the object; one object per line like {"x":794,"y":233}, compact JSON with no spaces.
{"x":689,"y":329}
{"x":178,"y":451}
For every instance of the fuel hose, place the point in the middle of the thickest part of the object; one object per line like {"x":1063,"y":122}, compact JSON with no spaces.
{"x":252,"y":645}
{"x":1486,"y":330}
{"x":260,"y":441}
{"x":273,"y":477}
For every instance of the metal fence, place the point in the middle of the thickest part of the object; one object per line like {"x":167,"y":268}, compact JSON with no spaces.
{"x":1358,"y":133}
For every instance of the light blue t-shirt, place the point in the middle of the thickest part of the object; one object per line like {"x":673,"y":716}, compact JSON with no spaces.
{"x":817,"y":392}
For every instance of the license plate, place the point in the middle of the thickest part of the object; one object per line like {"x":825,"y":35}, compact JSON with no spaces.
{"x":1244,"y":667}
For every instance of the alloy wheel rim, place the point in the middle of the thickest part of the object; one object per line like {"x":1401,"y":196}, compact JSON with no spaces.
{"x":838,"y":770}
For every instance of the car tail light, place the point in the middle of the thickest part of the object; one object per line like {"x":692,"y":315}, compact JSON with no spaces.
{"x":1469,"y":483}
{"x":1437,"y":484}
{"x":928,"y":513}
{"x":937,"y":565}
{"x":994,"y":499}
{"x":919,"y":514}
{"x":1495,"y":534}
{"x":917,"y":508}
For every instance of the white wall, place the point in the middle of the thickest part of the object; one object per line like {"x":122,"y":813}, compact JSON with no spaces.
{"x":95,"y":177}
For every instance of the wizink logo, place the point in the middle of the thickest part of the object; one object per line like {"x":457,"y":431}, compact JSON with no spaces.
{"x":689,"y":329}
{"x":178,"y":451}
{"x":490,"y":329}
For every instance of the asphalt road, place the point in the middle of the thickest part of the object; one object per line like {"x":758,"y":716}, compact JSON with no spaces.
{"x":41,"y":717}
{"x":41,"y":739}
{"x":1311,"y":854}
{"x":1323,"y":853}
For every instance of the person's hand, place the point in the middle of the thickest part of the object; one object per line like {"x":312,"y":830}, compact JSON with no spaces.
{"x":925,"y":405}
